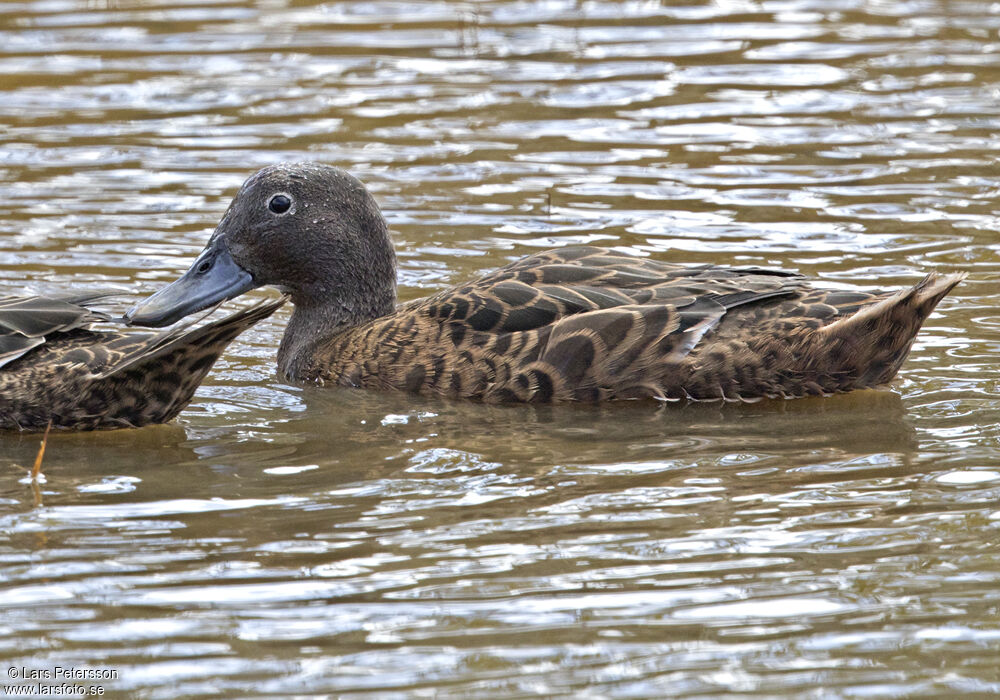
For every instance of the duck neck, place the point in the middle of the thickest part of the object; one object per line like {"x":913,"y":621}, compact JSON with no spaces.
{"x":315,"y":320}
{"x":348,"y":279}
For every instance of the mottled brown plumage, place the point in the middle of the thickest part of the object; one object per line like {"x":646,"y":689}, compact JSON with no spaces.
{"x":574,"y":324}
{"x":53,"y":367}
{"x":587,"y":324}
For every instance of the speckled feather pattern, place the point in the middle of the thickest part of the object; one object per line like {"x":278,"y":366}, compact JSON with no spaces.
{"x":55,"y":368}
{"x":591,"y":324}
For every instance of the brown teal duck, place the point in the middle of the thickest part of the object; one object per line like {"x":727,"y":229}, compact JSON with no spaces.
{"x":574,"y":324}
{"x":53,"y":367}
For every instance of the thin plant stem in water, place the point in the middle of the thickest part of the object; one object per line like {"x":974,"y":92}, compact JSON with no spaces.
{"x":37,"y":468}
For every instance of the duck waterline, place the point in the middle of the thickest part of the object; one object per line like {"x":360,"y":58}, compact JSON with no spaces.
{"x":574,"y":324}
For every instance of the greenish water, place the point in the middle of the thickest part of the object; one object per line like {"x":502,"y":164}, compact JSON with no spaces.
{"x":284,"y":541}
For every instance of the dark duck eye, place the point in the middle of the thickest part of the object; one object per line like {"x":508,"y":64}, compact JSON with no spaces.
{"x":280,"y":203}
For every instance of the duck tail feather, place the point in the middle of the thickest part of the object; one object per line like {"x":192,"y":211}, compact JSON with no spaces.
{"x":212,"y":338}
{"x":876,"y":339}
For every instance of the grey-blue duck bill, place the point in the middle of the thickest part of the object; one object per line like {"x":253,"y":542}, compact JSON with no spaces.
{"x":214,"y":277}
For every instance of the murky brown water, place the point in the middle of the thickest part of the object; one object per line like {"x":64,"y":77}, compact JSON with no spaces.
{"x":279,"y":540}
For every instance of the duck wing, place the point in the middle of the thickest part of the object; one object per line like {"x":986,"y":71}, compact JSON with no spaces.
{"x":544,"y":288}
{"x":83,"y":379}
{"x":26,"y":321}
{"x":585,"y":323}
{"x":194,"y":347}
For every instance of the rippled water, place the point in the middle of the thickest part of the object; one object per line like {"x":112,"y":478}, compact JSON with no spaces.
{"x":279,"y":540}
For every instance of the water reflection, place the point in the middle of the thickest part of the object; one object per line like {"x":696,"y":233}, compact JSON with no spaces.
{"x":286,"y":540}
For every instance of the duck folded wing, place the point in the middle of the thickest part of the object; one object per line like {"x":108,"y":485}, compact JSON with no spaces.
{"x":544,"y":288}
{"x":25,"y":321}
{"x":58,"y":370}
{"x":580,"y":324}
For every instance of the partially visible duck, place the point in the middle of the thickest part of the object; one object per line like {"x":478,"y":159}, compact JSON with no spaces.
{"x":574,"y":324}
{"x":53,"y":367}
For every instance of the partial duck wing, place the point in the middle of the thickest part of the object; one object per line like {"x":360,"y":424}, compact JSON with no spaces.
{"x":545,"y":288}
{"x":25,"y":322}
{"x":83,"y":380}
{"x":195,"y":347}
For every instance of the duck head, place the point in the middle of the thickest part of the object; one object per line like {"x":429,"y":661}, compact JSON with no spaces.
{"x":309,"y":229}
